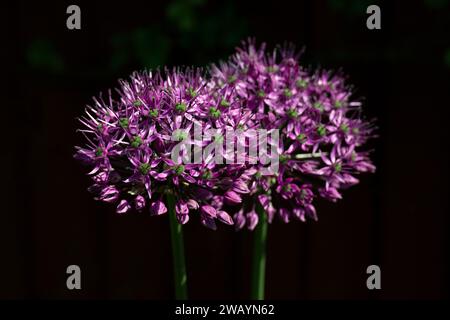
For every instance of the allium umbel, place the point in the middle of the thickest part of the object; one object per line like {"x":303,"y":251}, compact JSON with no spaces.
{"x":131,"y":140}
{"x":321,"y":132}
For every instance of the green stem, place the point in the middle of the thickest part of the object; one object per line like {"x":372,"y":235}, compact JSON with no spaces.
{"x":259,"y":256}
{"x":179,"y":268}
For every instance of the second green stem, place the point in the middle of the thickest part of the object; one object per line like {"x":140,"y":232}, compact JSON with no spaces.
{"x":259,"y":256}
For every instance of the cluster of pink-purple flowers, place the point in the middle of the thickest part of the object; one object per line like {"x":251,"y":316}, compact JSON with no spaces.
{"x":321,"y":135}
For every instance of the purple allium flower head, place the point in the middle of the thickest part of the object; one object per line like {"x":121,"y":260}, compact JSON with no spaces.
{"x":131,"y":139}
{"x":322,"y":133}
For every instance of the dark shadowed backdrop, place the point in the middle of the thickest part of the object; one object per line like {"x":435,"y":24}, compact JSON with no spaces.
{"x":396,"y":218}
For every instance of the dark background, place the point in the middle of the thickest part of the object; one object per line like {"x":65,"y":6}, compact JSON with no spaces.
{"x":396,"y":218}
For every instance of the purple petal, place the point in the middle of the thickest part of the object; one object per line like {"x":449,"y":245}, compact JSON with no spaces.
{"x":208,"y":211}
{"x":158,"y":208}
{"x":240,"y":186}
{"x":239,"y":220}
{"x":284,"y":214}
{"x":224,"y":217}
{"x":192,"y":204}
{"x":183,"y":219}
{"x":181,"y":208}
{"x":208,"y":222}
{"x":232,"y":197}
{"x":139,"y":202}
{"x":123,"y":207}
{"x":252,"y":220}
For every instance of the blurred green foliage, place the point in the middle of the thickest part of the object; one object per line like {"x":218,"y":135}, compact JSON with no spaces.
{"x":350,"y":7}
{"x":186,"y":29}
{"x":148,"y":46}
{"x":436,"y":4}
{"x":197,"y":32}
{"x":42,"y":55}
{"x":447,"y":58}
{"x":182,"y":13}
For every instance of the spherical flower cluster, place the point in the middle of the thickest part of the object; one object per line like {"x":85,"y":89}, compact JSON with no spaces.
{"x":321,"y":132}
{"x":131,"y":140}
